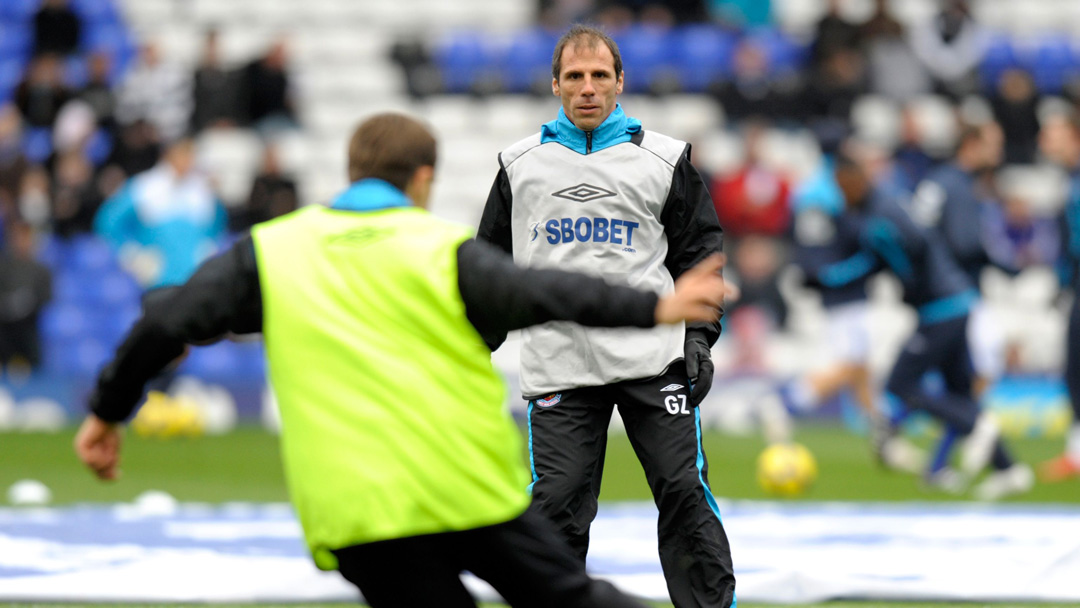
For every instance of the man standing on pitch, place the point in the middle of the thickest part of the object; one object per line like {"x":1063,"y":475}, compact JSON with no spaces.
{"x":595,"y":193}
{"x":402,"y":460}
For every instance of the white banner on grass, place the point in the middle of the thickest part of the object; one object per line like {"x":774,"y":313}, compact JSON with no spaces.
{"x":783,"y":552}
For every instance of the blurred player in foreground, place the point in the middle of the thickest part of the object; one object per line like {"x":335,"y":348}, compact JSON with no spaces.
{"x":1059,"y":140}
{"x":402,"y":461}
{"x":943,"y":297}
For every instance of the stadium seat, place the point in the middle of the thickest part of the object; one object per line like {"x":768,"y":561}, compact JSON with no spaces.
{"x":464,"y":59}
{"x":16,"y":41}
{"x":1000,"y":56}
{"x":91,"y":254}
{"x":648,"y":55}
{"x":526,"y":67}
{"x":1051,"y":63}
{"x":703,"y":54}
{"x":37,"y":144}
{"x":62,"y":322}
{"x":18,"y":11}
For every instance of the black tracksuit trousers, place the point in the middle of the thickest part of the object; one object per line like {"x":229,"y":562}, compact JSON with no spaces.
{"x":567,"y":441}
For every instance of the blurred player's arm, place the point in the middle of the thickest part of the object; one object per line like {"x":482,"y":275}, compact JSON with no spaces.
{"x":501,"y":296}
{"x":222,"y":296}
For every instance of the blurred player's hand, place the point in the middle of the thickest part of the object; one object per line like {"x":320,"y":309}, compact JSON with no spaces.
{"x":98,"y":445}
{"x":699,"y":294}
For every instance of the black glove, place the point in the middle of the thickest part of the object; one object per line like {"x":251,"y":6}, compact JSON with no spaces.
{"x":699,"y":365}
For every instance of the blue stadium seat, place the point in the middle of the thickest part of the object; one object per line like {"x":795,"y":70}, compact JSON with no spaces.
{"x":1051,"y":63}
{"x":11,"y":71}
{"x":527,"y":61}
{"x":648,"y":55}
{"x":63,"y":321}
{"x":18,"y":11}
{"x":703,"y":54}
{"x":52,"y":251}
{"x":90,"y":254}
{"x":216,"y":361}
{"x":96,"y":11}
{"x":1000,"y":56}
{"x":16,"y":42}
{"x":784,"y":54}
{"x":99,"y":147}
{"x":463,"y":58}
{"x":37,"y":144}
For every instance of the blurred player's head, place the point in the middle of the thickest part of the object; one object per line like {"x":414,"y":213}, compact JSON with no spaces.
{"x":586,"y":70}
{"x":180,"y":155}
{"x":397,"y":149}
{"x":1059,"y":139}
{"x":852,"y":179}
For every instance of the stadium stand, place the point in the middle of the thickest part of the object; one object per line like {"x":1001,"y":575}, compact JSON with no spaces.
{"x":491,"y":60}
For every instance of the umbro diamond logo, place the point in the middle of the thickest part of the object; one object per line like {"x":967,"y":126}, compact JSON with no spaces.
{"x":671,"y":387}
{"x":583,"y":193}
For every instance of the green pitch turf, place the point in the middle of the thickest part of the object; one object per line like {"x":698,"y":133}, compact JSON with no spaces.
{"x":244,"y":466}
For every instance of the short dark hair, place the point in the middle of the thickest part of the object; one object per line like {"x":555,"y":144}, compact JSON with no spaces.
{"x":390,"y":147}
{"x":589,"y":36}
{"x":969,"y":133}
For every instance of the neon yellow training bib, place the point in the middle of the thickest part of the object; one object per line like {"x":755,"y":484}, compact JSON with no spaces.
{"x":393,"y":418}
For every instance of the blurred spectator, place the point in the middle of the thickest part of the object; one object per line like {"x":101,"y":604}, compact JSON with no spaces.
{"x":756,"y":263}
{"x":559,"y":14}
{"x":75,"y":195}
{"x":138,"y":148}
{"x":272,"y":194}
{"x":832,"y":93}
{"x":214,"y":89}
{"x":753,"y":91}
{"x":266,"y":95}
{"x":13,"y":164}
{"x":1015,"y":105}
{"x":75,"y":124}
{"x":158,"y":91}
{"x":658,"y":12}
{"x":833,"y":33}
{"x":56,"y":29}
{"x":742,"y":14}
{"x":1015,"y":234}
{"x":164,"y":222}
{"x":34,"y":197}
{"x":753,"y":199}
{"x":950,"y":46}
{"x":894,"y":69}
{"x":99,"y":93}
{"x":25,"y":288}
{"x":911,"y":163}
{"x":42,"y":93}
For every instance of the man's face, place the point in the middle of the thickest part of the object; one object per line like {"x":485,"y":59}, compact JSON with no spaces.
{"x":587,"y":84}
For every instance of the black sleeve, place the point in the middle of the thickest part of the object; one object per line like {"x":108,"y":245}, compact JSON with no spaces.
{"x":495,"y":229}
{"x":692,"y":228}
{"x":501,"y":296}
{"x":222,"y":296}
{"x":495,"y":222}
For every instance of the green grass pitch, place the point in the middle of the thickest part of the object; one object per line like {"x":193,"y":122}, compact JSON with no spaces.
{"x":244,"y":466}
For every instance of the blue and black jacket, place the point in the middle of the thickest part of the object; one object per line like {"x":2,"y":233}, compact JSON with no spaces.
{"x":932,"y":281}
{"x":1069,"y":264}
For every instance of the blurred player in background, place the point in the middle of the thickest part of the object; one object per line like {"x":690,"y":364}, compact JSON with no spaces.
{"x":950,"y":203}
{"x":595,"y":192}
{"x":943,"y":297}
{"x":402,"y":461}
{"x":827,"y":235}
{"x":1059,"y":140}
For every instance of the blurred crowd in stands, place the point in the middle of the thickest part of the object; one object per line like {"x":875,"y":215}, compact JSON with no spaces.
{"x":97,"y":135}
{"x":96,"y":130}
